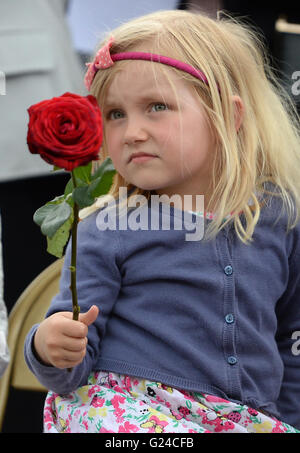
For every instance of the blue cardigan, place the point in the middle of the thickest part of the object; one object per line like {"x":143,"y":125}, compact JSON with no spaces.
{"x":214,"y":317}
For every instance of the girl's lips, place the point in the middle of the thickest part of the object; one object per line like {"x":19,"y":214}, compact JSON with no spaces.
{"x":142,"y":158}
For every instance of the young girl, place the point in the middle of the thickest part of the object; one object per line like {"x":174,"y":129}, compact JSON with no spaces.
{"x":182,"y":335}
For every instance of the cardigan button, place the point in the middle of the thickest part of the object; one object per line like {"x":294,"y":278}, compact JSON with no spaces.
{"x":229,"y":318}
{"x":228,"y":270}
{"x":232,"y":360}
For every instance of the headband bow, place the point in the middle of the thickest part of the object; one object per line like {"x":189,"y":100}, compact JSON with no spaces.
{"x":104,"y":60}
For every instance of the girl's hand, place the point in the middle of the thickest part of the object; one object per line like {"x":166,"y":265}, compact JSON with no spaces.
{"x":60,"y":341}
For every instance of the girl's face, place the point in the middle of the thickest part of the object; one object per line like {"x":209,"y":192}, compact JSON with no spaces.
{"x":168,"y":133}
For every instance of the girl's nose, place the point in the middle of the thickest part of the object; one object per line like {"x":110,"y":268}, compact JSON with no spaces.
{"x":136,"y":131}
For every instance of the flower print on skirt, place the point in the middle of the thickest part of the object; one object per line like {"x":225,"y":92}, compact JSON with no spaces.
{"x":115,"y":403}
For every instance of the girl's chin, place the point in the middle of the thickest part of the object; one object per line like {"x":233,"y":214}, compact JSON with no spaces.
{"x":143,"y":186}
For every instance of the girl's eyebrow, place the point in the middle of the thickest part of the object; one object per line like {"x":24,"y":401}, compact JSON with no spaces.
{"x":108,"y":104}
{"x":143,"y":98}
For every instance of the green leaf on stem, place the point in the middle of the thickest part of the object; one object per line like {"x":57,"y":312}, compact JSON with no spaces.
{"x":83,"y":173}
{"x":107,"y":166}
{"x":82,"y":197}
{"x":102,"y":179}
{"x":55,"y":217}
{"x":100,"y":182}
{"x":70,"y":187}
{"x":101,"y":186}
{"x":69,"y":199}
{"x":52,"y":216}
{"x":56,"y":244}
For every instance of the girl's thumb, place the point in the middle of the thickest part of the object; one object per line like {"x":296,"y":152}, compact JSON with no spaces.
{"x":90,"y":316}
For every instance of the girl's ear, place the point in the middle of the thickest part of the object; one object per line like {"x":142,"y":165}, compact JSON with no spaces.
{"x":239,"y":110}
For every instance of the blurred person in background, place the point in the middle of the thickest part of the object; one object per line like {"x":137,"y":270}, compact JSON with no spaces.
{"x":89,"y":20}
{"x":39,"y":62}
{"x":282,"y":42}
{"x":209,"y":7}
{"x":264,"y":16}
{"x":260,"y":14}
{"x":278,"y":25}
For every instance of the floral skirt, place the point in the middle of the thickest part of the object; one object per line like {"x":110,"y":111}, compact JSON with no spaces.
{"x":115,"y":403}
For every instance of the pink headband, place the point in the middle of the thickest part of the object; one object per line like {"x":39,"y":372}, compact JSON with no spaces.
{"x":104,"y":60}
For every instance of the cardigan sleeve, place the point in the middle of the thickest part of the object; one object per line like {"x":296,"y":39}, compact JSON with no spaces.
{"x":98,"y":283}
{"x":288,"y":331}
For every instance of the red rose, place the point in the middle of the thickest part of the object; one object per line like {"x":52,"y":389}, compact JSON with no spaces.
{"x":66,"y":131}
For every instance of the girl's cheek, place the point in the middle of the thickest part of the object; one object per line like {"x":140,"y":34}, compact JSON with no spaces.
{"x":111,"y":142}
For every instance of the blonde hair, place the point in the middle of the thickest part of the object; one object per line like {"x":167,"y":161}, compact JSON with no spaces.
{"x":266,"y":146}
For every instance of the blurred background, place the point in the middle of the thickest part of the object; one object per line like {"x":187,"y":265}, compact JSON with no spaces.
{"x":44,"y":45}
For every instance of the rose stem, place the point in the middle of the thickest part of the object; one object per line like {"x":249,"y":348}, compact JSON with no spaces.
{"x":73,"y":288}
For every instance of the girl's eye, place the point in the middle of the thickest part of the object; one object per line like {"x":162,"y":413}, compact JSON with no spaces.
{"x":159,"y":107}
{"x":115,"y":115}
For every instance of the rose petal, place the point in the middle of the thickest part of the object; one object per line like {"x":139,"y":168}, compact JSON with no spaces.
{"x":66,"y":131}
